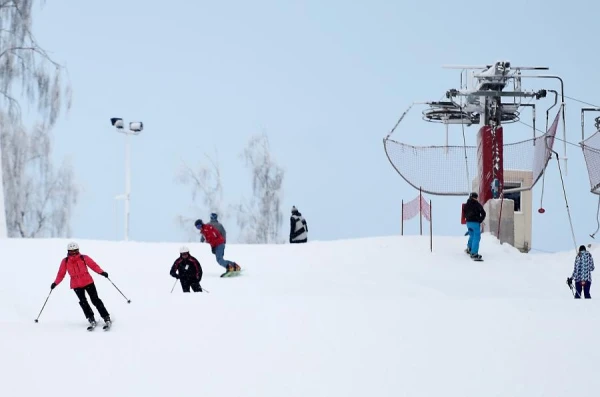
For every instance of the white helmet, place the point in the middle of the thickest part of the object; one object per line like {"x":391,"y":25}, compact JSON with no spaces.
{"x":184,"y":250}
{"x":72,"y":246}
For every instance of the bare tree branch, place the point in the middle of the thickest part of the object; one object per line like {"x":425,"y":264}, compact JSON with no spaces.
{"x":205,"y":182}
{"x":39,"y":199}
{"x":23,"y":61}
{"x":260,"y":219}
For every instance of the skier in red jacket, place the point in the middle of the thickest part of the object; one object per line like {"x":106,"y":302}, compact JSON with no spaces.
{"x":217,"y":245}
{"x":76,"y":265}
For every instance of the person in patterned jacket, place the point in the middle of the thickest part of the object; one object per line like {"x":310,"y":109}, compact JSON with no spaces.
{"x":582,"y":273}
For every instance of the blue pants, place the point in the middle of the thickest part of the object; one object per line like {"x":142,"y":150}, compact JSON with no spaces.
{"x":219,"y":253}
{"x":474,"y":229}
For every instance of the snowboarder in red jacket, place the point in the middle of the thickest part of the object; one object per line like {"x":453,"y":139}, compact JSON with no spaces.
{"x":217,"y":245}
{"x":76,"y":265}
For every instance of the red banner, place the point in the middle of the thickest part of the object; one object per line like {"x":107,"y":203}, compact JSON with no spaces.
{"x":416,"y":206}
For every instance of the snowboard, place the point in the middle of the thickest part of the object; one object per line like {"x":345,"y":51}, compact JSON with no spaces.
{"x":474,"y":259}
{"x":231,"y":274}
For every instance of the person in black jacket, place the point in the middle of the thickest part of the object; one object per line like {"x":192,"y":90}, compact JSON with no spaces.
{"x":474,"y":214}
{"x":187,"y":269}
{"x":298,"y":227}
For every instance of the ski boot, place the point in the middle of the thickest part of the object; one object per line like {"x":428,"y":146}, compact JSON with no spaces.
{"x":92,"y":322}
{"x":228,"y":270}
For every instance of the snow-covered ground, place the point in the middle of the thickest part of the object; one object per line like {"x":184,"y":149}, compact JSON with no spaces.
{"x":367,"y":317}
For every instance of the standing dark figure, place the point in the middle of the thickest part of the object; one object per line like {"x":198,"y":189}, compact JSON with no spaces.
{"x":582,"y":273}
{"x":474,"y":214}
{"x":76,"y":265}
{"x":298,"y":227}
{"x":187,"y":269}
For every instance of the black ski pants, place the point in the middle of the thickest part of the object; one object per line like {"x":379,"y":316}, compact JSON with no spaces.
{"x":586,"y":290}
{"x":87,"y":310}
{"x":186,"y":283}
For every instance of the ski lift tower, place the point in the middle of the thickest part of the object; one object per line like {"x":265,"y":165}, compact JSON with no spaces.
{"x":482,"y":104}
{"x":502,"y":174}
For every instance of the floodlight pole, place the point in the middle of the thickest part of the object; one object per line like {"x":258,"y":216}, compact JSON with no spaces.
{"x":134,"y":129}
{"x":127,"y":183}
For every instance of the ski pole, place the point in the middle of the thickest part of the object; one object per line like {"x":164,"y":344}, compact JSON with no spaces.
{"x":128,"y":300}
{"x":173,"y":285}
{"x":574,"y":292}
{"x":36,"y":320}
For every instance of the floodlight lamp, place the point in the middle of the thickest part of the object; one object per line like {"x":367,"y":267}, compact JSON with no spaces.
{"x":136,"y":126}
{"x":117,"y":122}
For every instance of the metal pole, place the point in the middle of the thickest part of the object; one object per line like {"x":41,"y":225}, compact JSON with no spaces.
{"x":583,"y":110}
{"x":420,"y":213}
{"x":402,"y":219}
{"x":430,"y":228}
{"x":127,"y":184}
{"x":564,"y":122}
{"x":447,"y":136}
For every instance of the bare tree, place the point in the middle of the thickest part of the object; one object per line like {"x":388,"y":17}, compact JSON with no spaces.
{"x":26,"y":66}
{"x":39,"y":199}
{"x":260,"y":218}
{"x":27,"y":72}
{"x":206,"y":185}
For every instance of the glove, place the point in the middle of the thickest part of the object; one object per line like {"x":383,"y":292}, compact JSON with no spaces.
{"x":104,"y":274}
{"x":213,"y":249}
{"x":53,"y":285}
{"x":569,"y":281}
{"x":202,"y":239}
{"x":175,"y":276}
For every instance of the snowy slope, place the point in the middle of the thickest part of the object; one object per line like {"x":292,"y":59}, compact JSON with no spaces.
{"x":368,"y":317}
